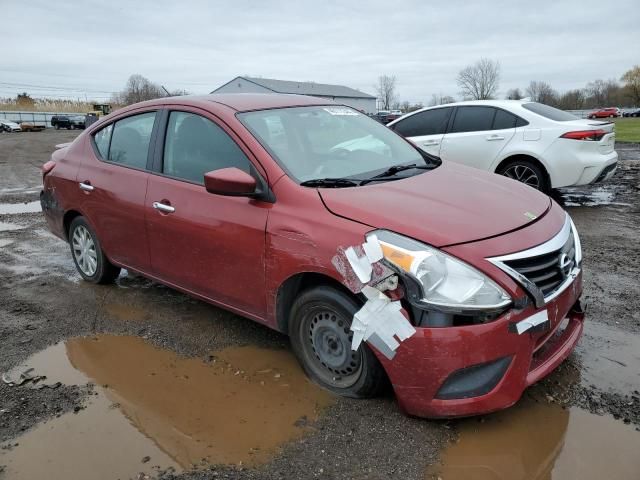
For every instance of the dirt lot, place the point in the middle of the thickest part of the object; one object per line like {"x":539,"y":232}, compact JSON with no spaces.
{"x":144,"y":382}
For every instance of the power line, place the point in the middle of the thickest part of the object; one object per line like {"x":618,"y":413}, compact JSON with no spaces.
{"x":45,"y":87}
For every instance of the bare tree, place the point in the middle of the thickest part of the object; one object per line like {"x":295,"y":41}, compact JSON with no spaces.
{"x":408,"y":107}
{"x":386,"y":90}
{"x":514,"y":94}
{"x":541,"y":92}
{"x":138,"y":89}
{"x":631,"y":81}
{"x":571,"y":100}
{"x":603,"y":93}
{"x":480,"y":81}
{"x":440,"y":99}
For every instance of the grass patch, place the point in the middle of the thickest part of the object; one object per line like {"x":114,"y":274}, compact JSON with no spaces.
{"x":627,"y":129}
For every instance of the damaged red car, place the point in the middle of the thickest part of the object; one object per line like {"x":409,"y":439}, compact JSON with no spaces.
{"x":384,"y":265}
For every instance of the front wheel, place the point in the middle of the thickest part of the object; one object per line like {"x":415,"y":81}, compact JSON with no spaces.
{"x":90,"y":260}
{"x":527,"y":172}
{"x":320,"y":334}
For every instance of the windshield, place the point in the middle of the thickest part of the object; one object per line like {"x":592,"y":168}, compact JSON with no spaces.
{"x":550,"y":112}
{"x":328,"y":142}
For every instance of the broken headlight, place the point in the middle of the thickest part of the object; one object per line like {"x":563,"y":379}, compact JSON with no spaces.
{"x":446,"y":282}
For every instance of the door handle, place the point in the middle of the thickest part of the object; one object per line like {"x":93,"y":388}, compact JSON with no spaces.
{"x":494,"y":137}
{"x":163,"y":207}
{"x":430,"y":143}
{"x":86,"y":186}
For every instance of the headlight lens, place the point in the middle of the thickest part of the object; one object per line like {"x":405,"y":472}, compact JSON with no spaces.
{"x":446,"y":281}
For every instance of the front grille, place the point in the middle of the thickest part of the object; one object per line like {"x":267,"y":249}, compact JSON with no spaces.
{"x":548,"y":271}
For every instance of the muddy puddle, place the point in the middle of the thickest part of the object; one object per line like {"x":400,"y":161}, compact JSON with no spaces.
{"x":7,"y":227}
{"x":589,"y":196}
{"x":609,"y":358}
{"x":15,"y":208}
{"x":239,"y":405}
{"x":541,"y":441}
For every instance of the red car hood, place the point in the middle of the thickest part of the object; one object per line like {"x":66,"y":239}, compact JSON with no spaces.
{"x":449,"y":205}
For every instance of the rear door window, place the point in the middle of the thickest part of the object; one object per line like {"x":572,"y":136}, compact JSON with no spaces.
{"x":503,"y":120}
{"x":429,"y":122}
{"x":126,"y":141}
{"x":473,"y":119}
{"x":195,"y":145}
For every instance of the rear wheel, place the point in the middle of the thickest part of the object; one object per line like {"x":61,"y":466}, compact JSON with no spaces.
{"x":527,"y":172}
{"x":90,"y":260}
{"x":320,"y":334}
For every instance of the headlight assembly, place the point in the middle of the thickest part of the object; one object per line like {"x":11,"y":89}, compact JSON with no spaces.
{"x":446,"y":282}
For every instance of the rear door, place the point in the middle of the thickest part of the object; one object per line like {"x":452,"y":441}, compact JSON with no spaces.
{"x":113,"y":178}
{"x":426,"y":128}
{"x":211,"y":245}
{"x":477,"y":135}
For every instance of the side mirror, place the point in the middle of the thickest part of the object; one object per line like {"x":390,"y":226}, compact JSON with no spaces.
{"x":230,"y":181}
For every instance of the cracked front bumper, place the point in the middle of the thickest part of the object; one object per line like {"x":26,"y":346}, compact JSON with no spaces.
{"x":424,"y":362}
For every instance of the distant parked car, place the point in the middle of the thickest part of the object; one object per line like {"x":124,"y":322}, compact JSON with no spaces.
{"x":530,"y":142}
{"x":61,"y":121}
{"x":632,"y":113}
{"x":605,"y":113}
{"x":32,"y":126}
{"x":78,"y":121}
{"x":9,"y":126}
{"x":385,"y":116}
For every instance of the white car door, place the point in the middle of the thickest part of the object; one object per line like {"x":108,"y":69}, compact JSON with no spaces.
{"x":425,"y":129}
{"x":477,"y":136}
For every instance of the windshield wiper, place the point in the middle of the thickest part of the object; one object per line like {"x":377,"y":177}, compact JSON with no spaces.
{"x":331,"y":182}
{"x":391,"y":171}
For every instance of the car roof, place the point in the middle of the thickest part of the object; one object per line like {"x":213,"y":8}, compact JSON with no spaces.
{"x":241,"y":102}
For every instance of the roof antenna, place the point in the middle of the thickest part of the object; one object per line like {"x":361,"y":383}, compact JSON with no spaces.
{"x":167,"y":91}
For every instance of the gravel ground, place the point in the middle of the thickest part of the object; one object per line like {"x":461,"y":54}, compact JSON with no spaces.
{"x":43,"y":302}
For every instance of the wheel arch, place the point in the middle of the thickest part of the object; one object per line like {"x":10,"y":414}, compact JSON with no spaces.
{"x":68,"y":217}
{"x":525,"y":156}
{"x":296,"y":284}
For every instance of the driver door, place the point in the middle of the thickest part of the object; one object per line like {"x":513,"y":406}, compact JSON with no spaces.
{"x":425,"y":129}
{"x":210,"y":245}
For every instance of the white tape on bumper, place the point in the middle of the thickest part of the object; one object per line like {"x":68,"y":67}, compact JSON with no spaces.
{"x":532,"y":321}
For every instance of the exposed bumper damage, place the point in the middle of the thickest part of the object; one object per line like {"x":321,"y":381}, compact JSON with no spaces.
{"x":380,"y":321}
{"x":457,"y":370}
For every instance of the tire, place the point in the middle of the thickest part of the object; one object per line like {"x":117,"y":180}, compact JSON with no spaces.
{"x":56,"y":126}
{"x":524,"y":171}
{"x":321,"y":340}
{"x":93,"y":266}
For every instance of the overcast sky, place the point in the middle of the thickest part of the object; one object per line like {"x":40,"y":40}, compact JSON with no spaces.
{"x":93,"y":46}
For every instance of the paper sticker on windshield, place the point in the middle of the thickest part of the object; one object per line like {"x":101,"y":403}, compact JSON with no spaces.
{"x":340,"y":111}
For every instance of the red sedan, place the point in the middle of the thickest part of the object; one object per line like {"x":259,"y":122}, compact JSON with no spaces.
{"x":605,"y":113}
{"x":459,"y":288}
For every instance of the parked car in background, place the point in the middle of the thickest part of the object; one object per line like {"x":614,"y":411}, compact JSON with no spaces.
{"x":9,"y":126}
{"x":249,"y":201}
{"x":386,"y":116}
{"x":32,"y":126}
{"x":611,"y":112}
{"x":78,"y":121}
{"x":633,"y":112}
{"x":61,"y":121}
{"x":530,"y":142}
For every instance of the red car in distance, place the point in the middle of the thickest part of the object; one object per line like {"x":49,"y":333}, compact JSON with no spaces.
{"x":384,"y":265}
{"x":611,"y":112}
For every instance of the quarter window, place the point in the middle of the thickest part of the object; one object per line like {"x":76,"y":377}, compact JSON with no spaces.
{"x":102,"y":139}
{"x":195,"y":145}
{"x":429,"y":122}
{"x":473,"y":119}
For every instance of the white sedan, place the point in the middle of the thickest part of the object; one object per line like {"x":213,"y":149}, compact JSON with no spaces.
{"x":9,"y":126}
{"x":531,"y":142}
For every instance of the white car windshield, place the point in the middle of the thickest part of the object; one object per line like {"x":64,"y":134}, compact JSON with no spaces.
{"x":328,"y":142}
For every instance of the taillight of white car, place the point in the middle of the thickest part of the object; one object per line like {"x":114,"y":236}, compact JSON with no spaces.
{"x":589,"y":135}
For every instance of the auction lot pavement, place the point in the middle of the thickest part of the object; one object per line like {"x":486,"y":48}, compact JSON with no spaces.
{"x":135,"y":380}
